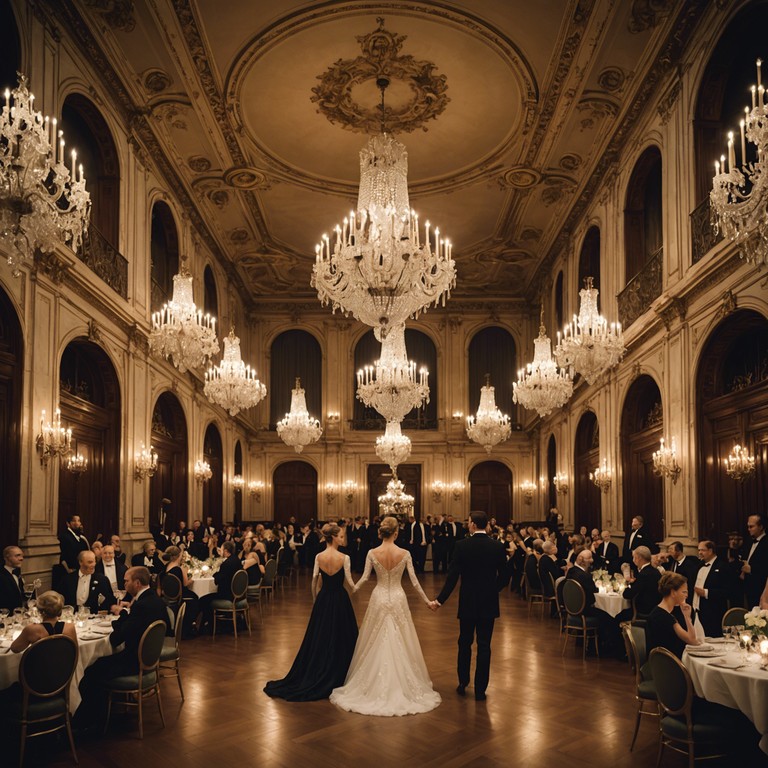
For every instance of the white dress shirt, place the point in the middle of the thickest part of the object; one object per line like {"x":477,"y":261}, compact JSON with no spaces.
{"x":754,"y":546}
{"x":701,"y":577}
{"x":110,"y":571}
{"x":83,"y":586}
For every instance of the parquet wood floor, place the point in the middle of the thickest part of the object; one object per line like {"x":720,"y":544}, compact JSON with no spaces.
{"x":543,"y":710}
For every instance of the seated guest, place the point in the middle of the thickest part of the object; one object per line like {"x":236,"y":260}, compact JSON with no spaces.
{"x":710,"y":589}
{"x":670,"y":623}
{"x":119,"y":554}
{"x":175,"y":567}
{"x":580,"y":573}
{"x":532,"y":579}
{"x":148,"y":557}
{"x":677,"y":562}
{"x":223,"y":581}
{"x":250,"y":562}
{"x":11,"y":580}
{"x":85,"y":587}
{"x":96,"y":548}
{"x":50,"y":605}
{"x":111,"y":568}
{"x":606,"y":553}
{"x":643,"y":590}
{"x":549,"y":570}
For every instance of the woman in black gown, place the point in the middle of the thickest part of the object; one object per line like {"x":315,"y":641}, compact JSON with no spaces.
{"x":175,"y":567}
{"x":329,"y":642}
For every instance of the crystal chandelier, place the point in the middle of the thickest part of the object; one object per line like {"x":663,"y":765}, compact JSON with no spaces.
{"x":42,"y":203}
{"x":53,"y":440}
{"x":390,"y":386}
{"x":180,"y":331}
{"x":395,"y":501}
{"x":238,"y":483}
{"x":145,"y":463}
{"x":232,"y":384}
{"x":393,"y":447}
{"x":665,"y":461}
{"x":203,"y":472}
{"x":378,"y":269}
{"x":560,"y":481}
{"x":589,"y":345}
{"x":77,"y":464}
{"x":490,"y":427}
{"x":298,"y":428}
{"x":601,"y":477}
{"x":541,"y":385}
{"x":739,"y":196}
{"x":740,"y":464}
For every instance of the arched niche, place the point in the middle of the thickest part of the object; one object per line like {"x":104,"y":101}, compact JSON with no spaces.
{"x":170,"y":441}
{"x":731,"y":397}
{"x":643,"y":234}
{"x":239,"y":494}
{"x":164,"y":252}
{"x":559,"y":302}
{"x":492,"y":351}
{"x":490,"y":490}
{"x":642,"y":427}
{"x":589,"y":261}
{"x":295,"y":354}
{"x":10,"y":49}
{"x":587,"y":498}
{"x":294,"y":485}
{"x":90,"y":405}
{"x":210,"y":294}
{"x":213,"y":453}
{"x":551,"y":471}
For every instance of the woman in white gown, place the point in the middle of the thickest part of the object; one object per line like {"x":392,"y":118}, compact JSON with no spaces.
{"x":388,"y":675}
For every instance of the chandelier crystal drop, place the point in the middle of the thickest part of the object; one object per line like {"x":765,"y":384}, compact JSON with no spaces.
{"x":541,"y":385}
{"x":42,"y":202}
{"x":180,"y":331}
{"x":232,"y":384}
{"x":589,"y":345}
{"x":298,"y":428}
{"x":490,"y":426}
{"x":390,"y":385}
{"x":395,"y":501}
{"x":740,"y":464}
{"x":739,"y":195}
{"x":393,"y":447}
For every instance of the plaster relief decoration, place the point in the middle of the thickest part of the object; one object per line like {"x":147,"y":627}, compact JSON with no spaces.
{"x":117,"y":13}
{"x":245,"y":178}
{"x":156,"y":80}
{"x":612,"y":79}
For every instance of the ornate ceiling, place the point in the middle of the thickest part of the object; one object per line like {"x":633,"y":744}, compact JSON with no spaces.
{"x":511,"y":111}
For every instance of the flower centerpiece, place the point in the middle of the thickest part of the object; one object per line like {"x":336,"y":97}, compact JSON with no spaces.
{"x":202,"y":568}
{"x":756,"y":621}
{"x":605,"y":581}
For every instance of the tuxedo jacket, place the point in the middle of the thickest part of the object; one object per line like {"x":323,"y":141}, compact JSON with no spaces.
{"x":71,"y":546}
{"x":99,"y":585}
{"x":548,"y":567}
{"x":481,"y":563}
{"x":642,"y":539}
{"x":532,"y":572}
{"x":11,"y":593}
{"x":223,"y":577}
{"x":644,"y":590}
{"x":609,"y":560}
{"x":130,"y":626}
{"x":157,"y":563}
{"x":754,"y":582}
{"x":120,"y":569}
{"x":688,"y":568}
{"x":416,"y":534}
{"x":587,"y":584}
{"x":715,"y":604}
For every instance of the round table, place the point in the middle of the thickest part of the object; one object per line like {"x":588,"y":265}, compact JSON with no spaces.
{"x":611,"y":602}
{"x":203,"y":586}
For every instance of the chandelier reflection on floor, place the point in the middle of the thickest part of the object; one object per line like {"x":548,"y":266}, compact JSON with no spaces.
{"x":180,"y":331}
{"x":739,"y":196}
{"x":396,"y":501}
{"x":393,"y":447}
{"x":589,"y":345}
{"x":42,"y":202}
{"x":541,"y":385}
{"x":490,"y":426}
{"x":298,"y":428}
{"x":232,"y":384}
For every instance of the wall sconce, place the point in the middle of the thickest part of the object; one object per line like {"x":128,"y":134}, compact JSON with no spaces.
{"x":255,"y":487}
{"x":238,"y":483}
{"x":560,"y":481}
{"x":350,"y":486}
{"x":665,"y":461}
{"x":456,"y":488}
{"x":145,"y":463}
{"x":527,"y":488}
{"x":740,"y":464}
{"x":601,"y":477}
{"x":437,"y":491}
{"x":330,"y":492}
{"x":203,"y":471}
{"x":332,"y":418}
{"x":458,"y":415}
{"x":77,"y":464}
{"x":53,"y":440}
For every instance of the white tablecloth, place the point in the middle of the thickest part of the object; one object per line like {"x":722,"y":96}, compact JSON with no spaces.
{"x":203,"y":586}
{"x":612,"y":604}
{"x":745,"y":689}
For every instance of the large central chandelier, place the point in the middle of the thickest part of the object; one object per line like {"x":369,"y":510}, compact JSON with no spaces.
{"x":180,"y":331}
{"x":739,"y":196}
{"x":490,"y":427}
{"x":589,"y":345}
{"x":42,"y":202}
{"x":541,"y":385}
{"x":390,"y":385}
{"x":298,"y":428}
{"x":393,"y":447}
{"x":232,"y":384}
{"x":377,"y":268}
{"x":395,"y":501}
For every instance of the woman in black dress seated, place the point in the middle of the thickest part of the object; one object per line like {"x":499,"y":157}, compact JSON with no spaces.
{"x":329,"y":642}
{"x":175,"y":567}
{"x":251,"y":562}
{"x":50,"y":606}
{"x":670,"y":623}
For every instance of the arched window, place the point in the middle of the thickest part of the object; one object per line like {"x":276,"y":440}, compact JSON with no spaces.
{"x":295,"y":354}
{"x":421,"y":350}
{"x":559,"y":310}
{"x":239,"y":494}
{"x":210,"y":297}
{"x":10,"y":50}
{"x":492,"y":350}
{"x":164,"y":253}
{"x":213,"y":489}
{"x":589,"y":261}
{"x":169,"y":439}
{"x":586,"y":495}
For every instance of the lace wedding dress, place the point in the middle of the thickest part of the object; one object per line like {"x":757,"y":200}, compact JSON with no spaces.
{"x":388,"y":675}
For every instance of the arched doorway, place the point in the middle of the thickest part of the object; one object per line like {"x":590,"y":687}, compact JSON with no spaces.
{"x":90,"y":405}
{"x":11,"y":368}
{"x":731,"y":397}
{"x":587,"y":497}
{"x":589,"y":261}
{"x":642,"y":427}
{"x":551,"y":472}
{"x":294,"y":354}
{"x":490,"y":490}
{"x":169,"y":439}
{"x":213,"y":453}
{"x":295,"y":490}
{"x":239,"y":493}
{"x":164,"y":251}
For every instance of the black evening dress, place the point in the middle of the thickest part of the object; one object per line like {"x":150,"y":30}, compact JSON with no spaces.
{"x":329,"y":642}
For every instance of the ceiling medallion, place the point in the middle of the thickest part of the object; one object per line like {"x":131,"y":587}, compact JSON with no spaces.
{"x":244,"y":178}
{"x":521,"y":177}
{"x":381,"y":56}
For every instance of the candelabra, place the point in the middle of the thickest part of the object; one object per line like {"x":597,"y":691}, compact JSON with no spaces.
{"x":42,"y":204}
{"x":738,"y":195}
{"x":203,"y":471}
{"x":232,"y":384}
{"x":589,"y":345}
{"x":490,"y":427}
{"x":393,"y":447}
{"x":255,"y":487}
{"x":456,"y":489}
{"x":527,"y":488}
{"x":395,"y":501}
{"x":145,"y":463}
{"x":53,"y":440}
{"x":740,"y":464}
{"x":238,"y":483}
{"x":560,"y":481}
{"x":350,"y":486}
{"x":330,"y":492}
{"x":298,"y":428}
{"x":601,"y":477}
{"x":665,"y":461}
{"x":77,"y":464}
{"x":437,"y":491}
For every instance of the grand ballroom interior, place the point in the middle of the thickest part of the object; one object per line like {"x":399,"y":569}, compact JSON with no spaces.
{"x":556,"y":144}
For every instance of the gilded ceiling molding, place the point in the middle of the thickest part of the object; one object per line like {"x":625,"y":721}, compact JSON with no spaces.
{"x":647,"y":14}
{"x":117,"y":13}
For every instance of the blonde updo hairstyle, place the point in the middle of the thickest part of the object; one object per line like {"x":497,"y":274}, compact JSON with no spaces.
{"x":329,"y":530}
{"x":388,"y":527}
{"x":171,"y":554}
{"x":50,"y":604}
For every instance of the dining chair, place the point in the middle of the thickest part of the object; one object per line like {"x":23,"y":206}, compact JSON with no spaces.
{"x":281,"y":569}
{"x":268,"y":579}
{"x":131,"y":690}
{"x":576,"y":623}
{"x":533,"y":591}
{"x":253,"y":595}
{"x":549,"y":594}
{"x":45,"y":673}
{"x":645,"y":689}
{"x":229,"y":610}
{"x":170,"y":655}
{"x":558,"y":582}
{"x":733,"y":617}
{"x":170,"y":587}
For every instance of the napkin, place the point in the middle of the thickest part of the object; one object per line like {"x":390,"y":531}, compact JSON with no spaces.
{"x":725,"y":664}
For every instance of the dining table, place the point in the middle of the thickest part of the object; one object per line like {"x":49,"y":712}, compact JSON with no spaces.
{"x":613,"y":603}
{"x":724,"y":675}
{"x":203,"y":585}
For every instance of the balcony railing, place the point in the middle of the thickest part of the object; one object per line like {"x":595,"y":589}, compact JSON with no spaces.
{"x":641,"y":290}
{"x":703,"y":237}
{"x":105,"y":261}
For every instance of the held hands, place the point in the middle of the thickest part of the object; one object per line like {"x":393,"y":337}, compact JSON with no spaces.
{"x":433,"y":605}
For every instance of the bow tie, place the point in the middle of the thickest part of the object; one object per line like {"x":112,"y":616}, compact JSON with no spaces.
{"x":16,"y":572}
{"x":706,"y":565}
{"x":754,"y":538}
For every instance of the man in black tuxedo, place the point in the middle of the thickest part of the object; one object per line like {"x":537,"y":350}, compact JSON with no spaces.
{"x":146,"y":608}
{"x":606,"y":553}
{"x":754,"y":569}
{"x":643,"y":590}
{"x":710,"y":591}
{"x":637,"y":537}
{"x":678,"y":562}
{"x":111,"y":568}
{"x":114,"y":540}
{"x":418,"y":539}
{"x":86,"y":587}
{"x":223,"y":580}
{"x":149,"y":558}
{"x":11,"y":580}
{"x":440,"y":546}
{"x":72,"y":543}
{"x":579,"y":572}
{"x":481,"y":563}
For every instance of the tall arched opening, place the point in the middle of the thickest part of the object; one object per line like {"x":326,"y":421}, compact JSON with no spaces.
{"x":294,"y":484}
{"x":213,"y":490}
{"x":490,"y":490}
{"x":587,"y":498}
{"x":170,"y":441}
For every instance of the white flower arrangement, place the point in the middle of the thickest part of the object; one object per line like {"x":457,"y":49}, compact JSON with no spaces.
{"x":757,"y":621}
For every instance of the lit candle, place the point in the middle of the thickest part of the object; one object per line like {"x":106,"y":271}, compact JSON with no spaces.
{"x":759,"y":63}
{"x":60,"y":158}
{"x":7,"y":97}
{"x":754,"y":97}
{"x":74,"y":162}
{"x":743,"y":145}
{"x":80,"y":169}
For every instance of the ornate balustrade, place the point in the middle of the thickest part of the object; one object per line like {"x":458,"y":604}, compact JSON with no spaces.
{"x":641,"y":290}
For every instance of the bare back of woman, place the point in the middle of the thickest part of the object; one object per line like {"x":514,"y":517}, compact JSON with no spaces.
{"x":388,"y":554}
{"x":331,"y":561}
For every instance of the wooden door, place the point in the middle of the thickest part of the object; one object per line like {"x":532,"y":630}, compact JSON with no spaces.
{"x":490,"y":484}
{"x":294,"y":486}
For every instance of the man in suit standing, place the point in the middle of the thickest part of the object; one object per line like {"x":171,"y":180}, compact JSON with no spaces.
{"x":72,"y":543}
{"x":637,"y":537}
{"x":643,"y":590}
{"x":223,"y":580}
{"x":754,"y":569}
{"x":480,"y":562}
{"x":87,"y":588}
{"x":606,"y":553}
{"x":417,"y":543}
{"x":440,"y":546}
{"x":677,"y":562}
{"x":11,"y":580}
{"x":710,"y":591}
